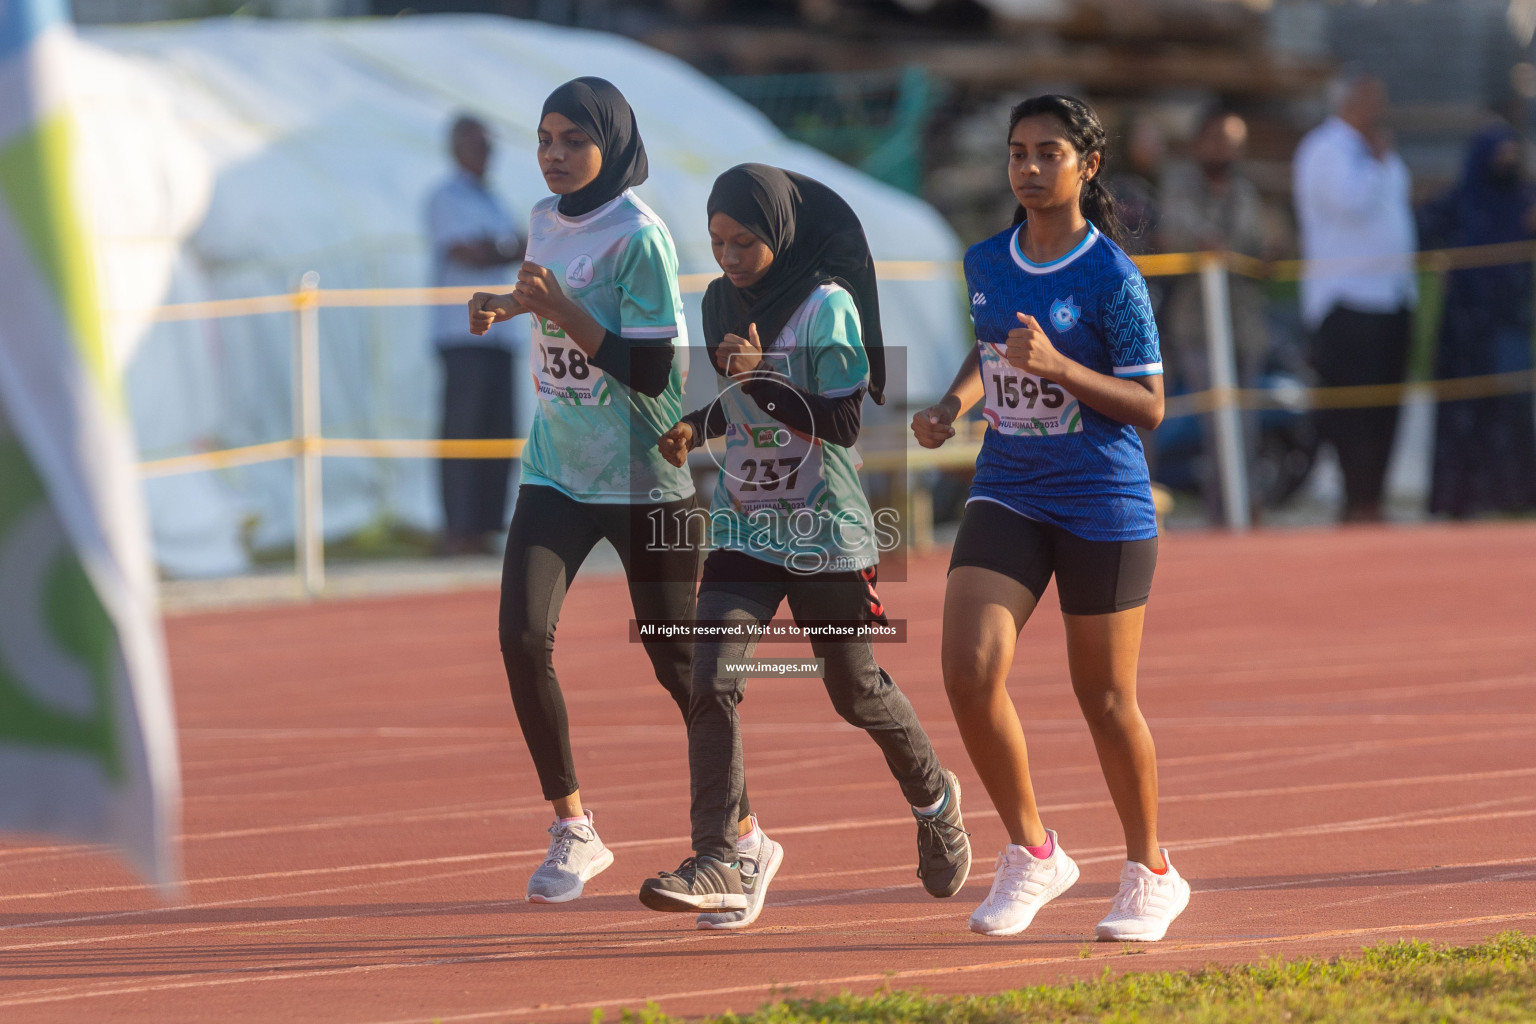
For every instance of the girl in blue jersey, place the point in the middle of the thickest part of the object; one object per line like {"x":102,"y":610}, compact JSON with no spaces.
{"x":600,"y":284}
{"x":1067,"y":365}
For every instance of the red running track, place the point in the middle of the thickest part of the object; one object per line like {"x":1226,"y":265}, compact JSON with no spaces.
{"x":1345,"y":721}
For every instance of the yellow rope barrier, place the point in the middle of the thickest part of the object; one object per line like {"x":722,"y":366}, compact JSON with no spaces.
{"x":1358,"y":396}
{"x":1157,"y":265}
{"x":227,"y":458}
{"x":1350,"y":397}
{"x":1170,"y":264}
{"x":370,"y":448}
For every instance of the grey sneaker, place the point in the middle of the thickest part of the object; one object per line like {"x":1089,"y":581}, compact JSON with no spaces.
{"x":575,"y":855}
{"x":943,"y":844}
{"x":756,"y":875}
{"x":699,"y":883}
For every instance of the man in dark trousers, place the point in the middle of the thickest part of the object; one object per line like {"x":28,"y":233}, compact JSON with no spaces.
{"x":1359,"y":290}
{"x":474,"y":242}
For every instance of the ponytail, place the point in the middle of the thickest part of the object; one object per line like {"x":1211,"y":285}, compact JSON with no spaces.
{"x":1087,"y":136}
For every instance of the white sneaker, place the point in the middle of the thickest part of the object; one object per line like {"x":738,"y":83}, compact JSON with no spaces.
{"x":757,"y":873}
{"x":575,"y":855}
{"x":1146,"y":904}
{"x":1023,"y":884}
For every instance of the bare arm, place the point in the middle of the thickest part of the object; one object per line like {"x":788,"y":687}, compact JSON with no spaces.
{"x":935,"y":425}
{"x":1134,"y":400}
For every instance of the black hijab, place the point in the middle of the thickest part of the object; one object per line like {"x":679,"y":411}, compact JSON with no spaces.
{"x":597,"y":107}
{"x":815,"y":238}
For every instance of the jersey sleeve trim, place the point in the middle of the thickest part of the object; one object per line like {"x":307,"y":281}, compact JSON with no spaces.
{"x":662,"y":331}
{"x":1144,"y":370}
{"x":842,"y":392}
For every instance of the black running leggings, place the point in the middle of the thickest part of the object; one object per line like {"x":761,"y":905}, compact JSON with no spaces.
{"x":551,"y":536}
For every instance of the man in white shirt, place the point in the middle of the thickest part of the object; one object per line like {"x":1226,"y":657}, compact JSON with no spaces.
{"x":1358,"y":292}
{"x":474,"y":243}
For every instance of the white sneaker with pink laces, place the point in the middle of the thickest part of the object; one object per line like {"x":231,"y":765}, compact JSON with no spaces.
{"x":1022,"y":885}
{"x":1146,"y":904}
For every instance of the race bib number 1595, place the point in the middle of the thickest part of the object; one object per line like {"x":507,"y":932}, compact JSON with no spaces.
{"x":1022,"y":404}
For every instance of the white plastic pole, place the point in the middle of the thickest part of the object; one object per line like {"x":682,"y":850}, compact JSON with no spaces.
{"x":309,"y":529}
{"x":1230,"y":452}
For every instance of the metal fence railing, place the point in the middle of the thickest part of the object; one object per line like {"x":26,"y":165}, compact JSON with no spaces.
{"x":307,"y":448}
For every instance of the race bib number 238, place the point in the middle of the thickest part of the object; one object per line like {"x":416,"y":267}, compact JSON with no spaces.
{"x":1022,"y":404}
{"x":561,"y":371}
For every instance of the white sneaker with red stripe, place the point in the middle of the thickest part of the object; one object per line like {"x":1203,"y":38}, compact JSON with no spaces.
{"x":1146,"y":904}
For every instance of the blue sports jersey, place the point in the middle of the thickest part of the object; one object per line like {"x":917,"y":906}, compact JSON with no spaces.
{"x":1045,"y":456}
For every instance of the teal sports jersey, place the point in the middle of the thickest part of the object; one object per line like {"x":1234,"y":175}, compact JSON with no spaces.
{"x":593,"y":437}
{"x":784,"y":497}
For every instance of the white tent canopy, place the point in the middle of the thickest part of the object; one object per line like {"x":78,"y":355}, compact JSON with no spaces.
{"x":226,"y":158}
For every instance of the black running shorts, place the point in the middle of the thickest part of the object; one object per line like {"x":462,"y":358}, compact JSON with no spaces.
{"x":1093,"y":577}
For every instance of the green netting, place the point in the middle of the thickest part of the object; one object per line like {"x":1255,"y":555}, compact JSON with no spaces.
{"x":871,"y":119}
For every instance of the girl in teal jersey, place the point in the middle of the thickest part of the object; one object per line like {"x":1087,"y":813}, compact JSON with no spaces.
{"x":608,"y":358}
{"x":793,"y":329}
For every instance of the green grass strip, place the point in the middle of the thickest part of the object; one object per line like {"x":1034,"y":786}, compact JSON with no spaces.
{"x":1394,"y":983}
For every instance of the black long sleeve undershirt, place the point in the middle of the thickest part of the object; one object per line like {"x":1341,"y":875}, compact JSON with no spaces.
{"x":831,"y":420}
{"x":644,"y":365}
{"x":707,"y":422}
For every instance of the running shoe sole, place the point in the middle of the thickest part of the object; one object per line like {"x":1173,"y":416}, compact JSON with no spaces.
{"x":597,"y":866}
{"x":691,"y":903}
{"x":1064,"y":883}
{"x":764,"y":880}
{"x":1108,"y":935}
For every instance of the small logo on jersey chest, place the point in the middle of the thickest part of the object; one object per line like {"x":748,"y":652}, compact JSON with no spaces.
{"x":1064,"y":314}
{"x":978,"y":298}
{"x":579,"y":273}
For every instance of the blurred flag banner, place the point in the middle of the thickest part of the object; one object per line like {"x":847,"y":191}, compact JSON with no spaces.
{"x":87,"y":738}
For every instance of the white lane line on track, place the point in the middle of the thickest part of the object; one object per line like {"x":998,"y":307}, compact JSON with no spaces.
{"x":481,"y":906}
{"x":1421,"y":892}
{"x":293,"y":970}
{"x":1085,"y":856}
{"x":997,"y":965}
{"x":985,"y":812}
{"x":797,"y":762}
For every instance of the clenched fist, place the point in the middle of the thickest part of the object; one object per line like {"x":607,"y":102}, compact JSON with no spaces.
{"x":738,"y":356}
{"x":539,"y":292}
{"x":1030,"y":350}
{"x":935,"y":425}
{"x":486,"y":308}
{"x":674,"y":444}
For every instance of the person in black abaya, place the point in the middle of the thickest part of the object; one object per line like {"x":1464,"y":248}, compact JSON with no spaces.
{"x":1485,"y":448}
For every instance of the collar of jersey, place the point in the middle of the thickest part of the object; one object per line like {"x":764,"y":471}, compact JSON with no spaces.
{"x":1029,"y":266}
{"x":588,"y":218}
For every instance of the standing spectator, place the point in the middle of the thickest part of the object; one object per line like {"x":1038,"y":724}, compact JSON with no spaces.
{"x":1355,"y":218}
{"x":1210,"y":205}
{"x":1485,"y":448}
{"x":1135,"y":188}
{"x":473,"y":241}
{"x":1137,"y":191}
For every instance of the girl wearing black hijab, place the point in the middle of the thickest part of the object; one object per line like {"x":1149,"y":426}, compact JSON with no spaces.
{"x":600,"y":283}
{"x":793,"y":329}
